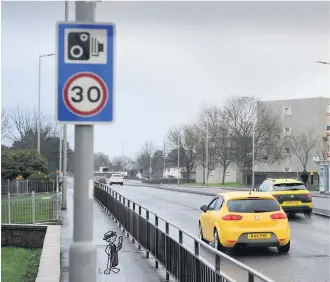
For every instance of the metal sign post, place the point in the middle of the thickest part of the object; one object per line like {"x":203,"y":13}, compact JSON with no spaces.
{"x":85,"y":83}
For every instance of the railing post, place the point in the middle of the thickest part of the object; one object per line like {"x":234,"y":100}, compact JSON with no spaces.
{"x":156,"y":240}
{"x":167,"y":230}
{"x":127,"y":218}
{"x":140,"y":212}
{"x":148,"y":239}
{"x":180,"y":256}
{"x":9,"y":209}
{"x":27,"y":186}
{"x":33,"y":208}
{"x":8,"y":185}
{"x":217,"y":277}
{"x":197,"y":265}
{"x":17,"y":186}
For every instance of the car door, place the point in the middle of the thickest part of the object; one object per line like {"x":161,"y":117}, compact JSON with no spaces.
{"x":213,"y":217}
{"x":206,"y":221}
{"x":216,"y":215}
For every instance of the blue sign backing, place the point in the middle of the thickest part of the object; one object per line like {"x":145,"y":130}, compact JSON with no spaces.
{"x":85,"y":48}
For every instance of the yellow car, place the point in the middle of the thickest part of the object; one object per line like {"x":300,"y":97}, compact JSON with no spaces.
{"x":247,"y":219}
{"x":290,"y":193}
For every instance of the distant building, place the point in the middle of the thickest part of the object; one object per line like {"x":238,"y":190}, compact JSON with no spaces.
{"x":215,"y":176}
{"x":299,"y":116}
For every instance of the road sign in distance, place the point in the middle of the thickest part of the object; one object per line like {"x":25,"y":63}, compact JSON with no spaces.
{"x":85,"y":94}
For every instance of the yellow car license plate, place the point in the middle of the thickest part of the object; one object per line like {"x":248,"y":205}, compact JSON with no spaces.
{"x":292,"y":203}
{"x":256,"y":236}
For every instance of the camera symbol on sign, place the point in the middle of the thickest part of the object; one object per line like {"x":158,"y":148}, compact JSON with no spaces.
{"x":82,"y":46}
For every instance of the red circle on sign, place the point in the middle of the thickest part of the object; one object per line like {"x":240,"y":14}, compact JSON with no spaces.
{"x":98,"y":80}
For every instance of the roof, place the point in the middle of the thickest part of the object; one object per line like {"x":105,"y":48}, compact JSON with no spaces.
{"x":284,"y":180}
{"x":245,"y":194}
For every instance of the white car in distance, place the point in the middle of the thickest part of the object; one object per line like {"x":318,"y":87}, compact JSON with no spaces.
{"x":116,"y":178}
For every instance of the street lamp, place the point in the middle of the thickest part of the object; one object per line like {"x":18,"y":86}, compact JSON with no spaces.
{"x":207,"y":149}
{"x":253,"y":135}
{"x":39,"y":96}
{"x":123,"y":158}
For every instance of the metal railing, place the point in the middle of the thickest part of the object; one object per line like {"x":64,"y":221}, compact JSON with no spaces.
{"x":27,"y":186}
{"x":29,"y":208}
{"x":169,"y":244}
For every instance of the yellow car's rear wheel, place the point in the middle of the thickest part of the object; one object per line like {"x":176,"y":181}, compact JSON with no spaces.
{"x":217,"y":243}
{"x":284,"y":249}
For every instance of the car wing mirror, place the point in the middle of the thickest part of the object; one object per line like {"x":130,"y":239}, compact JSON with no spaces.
{"x":204,"y":208}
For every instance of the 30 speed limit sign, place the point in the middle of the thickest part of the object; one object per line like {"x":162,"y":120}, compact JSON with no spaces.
{"x":85,"y":94}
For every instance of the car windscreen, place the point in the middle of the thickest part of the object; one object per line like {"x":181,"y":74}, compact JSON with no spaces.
{"x":253,"y":205}
{"x":116,"y":175}
{"x":289,"y":187}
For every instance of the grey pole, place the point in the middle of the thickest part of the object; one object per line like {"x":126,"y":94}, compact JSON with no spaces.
{"x":164,"y":168}
{"x":82,"y":253}
{"x":39,"y":102}
{"x":297,"y":170}
{"x":60,"y":161}
{"x":253,"y":139}
{"x":179,"y":158}
{"x":65,"y":141}
{"x":123,"y":150}
{"x":150,"y":171}
{"x":64,"y":177}
{"x":207,"y":152}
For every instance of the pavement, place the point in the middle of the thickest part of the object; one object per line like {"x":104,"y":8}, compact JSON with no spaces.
{"x":132,"y":263}
{"x":321,"y":202}
{"x":310,"y":246}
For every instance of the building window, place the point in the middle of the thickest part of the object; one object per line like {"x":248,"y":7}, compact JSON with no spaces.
{"x":287,"y":110}
{"x":287,"y":150}
{"x":287,"y":130}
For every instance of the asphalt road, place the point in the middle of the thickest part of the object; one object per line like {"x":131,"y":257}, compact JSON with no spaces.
{"x":308,"y":259}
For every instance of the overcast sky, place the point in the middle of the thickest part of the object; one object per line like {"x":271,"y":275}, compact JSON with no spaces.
{"x":172,"y":57}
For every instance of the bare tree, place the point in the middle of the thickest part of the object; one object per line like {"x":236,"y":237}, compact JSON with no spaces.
{"x":186,"y":139}
{"x":146,"y":153}
{"x":209,"y":144}
{"x":240,"y":114}
{"x":23,"y":133}
{"x":101,"y":159}
{"x":5,"y":124}
{"x":322,"y":147}
{"x":24,"y":122}
{"x":303,"y":145}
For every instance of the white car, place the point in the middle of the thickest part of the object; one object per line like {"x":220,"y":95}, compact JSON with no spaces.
{"x":116,"y":178}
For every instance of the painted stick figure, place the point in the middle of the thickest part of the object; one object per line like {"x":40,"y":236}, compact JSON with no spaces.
{"x":112,"y":251}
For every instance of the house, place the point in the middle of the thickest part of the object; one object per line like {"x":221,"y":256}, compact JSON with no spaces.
{"x":215,"y":176}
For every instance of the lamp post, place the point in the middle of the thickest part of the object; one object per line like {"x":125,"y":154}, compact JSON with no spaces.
{"x":255,"y":108}
{"x":39,"y":97}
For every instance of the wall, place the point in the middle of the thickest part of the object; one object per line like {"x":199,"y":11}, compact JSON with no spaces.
{"x":22,"y":236}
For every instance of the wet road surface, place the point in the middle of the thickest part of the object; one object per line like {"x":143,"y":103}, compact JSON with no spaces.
{"x":308,"y":257}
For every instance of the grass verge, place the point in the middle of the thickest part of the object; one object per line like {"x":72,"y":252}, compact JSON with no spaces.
{"x":19,"y":265}
{"x":21,"y":208}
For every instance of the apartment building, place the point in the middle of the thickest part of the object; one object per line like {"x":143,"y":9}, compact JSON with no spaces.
{"x":298,"y":116}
